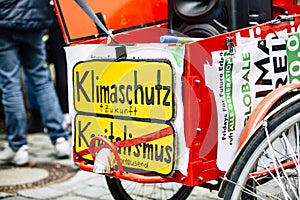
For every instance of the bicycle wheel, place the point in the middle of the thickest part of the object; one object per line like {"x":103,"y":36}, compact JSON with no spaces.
{"x":269,"y":166}
{"x":127,"y":190}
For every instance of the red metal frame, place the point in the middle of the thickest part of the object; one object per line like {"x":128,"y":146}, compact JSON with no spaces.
{"x":200,"y":111}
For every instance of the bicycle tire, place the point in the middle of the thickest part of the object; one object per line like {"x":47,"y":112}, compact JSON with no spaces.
{"x":128,"y":190}
{"x":265,"y":149}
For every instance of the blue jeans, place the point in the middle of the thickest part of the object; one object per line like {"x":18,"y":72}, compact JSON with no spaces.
{"x":26,"y":49}
{"x":32,"y":103}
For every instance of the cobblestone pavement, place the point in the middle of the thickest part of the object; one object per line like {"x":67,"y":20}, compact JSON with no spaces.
{"x":80,"y":186}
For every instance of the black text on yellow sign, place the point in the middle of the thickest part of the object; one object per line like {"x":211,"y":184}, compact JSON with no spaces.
{"x":153,"y":156}
{"x":136,"y":89}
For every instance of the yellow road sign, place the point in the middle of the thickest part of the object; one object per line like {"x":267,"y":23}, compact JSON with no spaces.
{"x":135,"y":89}
{"x":155,"y":154}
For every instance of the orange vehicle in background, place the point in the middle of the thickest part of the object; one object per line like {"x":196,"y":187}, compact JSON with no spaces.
{"x":130,"y":15}
{"x":285,"y":7}
{"x":117,"y":16}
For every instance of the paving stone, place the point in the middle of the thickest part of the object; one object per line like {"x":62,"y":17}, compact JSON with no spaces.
{"x":15,"y":176}
{"x":17,"y":198}
{"x":199,"y":197}
{"x":5,"y":194}
{"x":72,"y":198}
{"x":94,"y":193}
{"x":67,"y":162}
{"x":97,"y":181}
{"x":82,"y":176}
{"x":203,"y":193}
{"x":41,"y":159}
{"x":41,"y":193}
{"x":66,"y":186}
{"x":44,"y":153}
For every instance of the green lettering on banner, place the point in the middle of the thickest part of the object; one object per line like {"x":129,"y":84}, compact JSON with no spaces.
{"x":228,"y":89}
{"x":293,"y":55}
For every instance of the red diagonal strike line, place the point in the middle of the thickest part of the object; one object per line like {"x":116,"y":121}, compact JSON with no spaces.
{"x":145,"y":138}
{"x":134,"y":141}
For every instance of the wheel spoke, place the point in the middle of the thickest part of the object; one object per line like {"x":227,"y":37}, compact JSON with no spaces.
{"x":250,"y":192}
{"x":296,"y":162}
{"x":297,"y":129}
{"x":274,"y":178}
{"x":128,"y":190}
{"x":280,"y":183}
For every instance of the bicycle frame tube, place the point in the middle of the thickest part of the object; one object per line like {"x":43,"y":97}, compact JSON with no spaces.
{"x":273,"y":170}
{"x":132,"y":176}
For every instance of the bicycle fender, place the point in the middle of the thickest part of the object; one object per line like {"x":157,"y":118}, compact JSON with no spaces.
{"x":263,"y":108}
{"x":260,"y":113}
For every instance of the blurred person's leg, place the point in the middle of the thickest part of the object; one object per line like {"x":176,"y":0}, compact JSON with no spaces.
{"x":37,"y":72}
{"x":12,"y":100}
{"x":35,"y":124}
{"x":1,"y":107}
{"x":58,"y":58}
{"x":12,"y":96}
{"x":2,"y":116}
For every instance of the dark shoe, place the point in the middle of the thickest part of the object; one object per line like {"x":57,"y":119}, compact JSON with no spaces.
{"x":35,"y":124}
